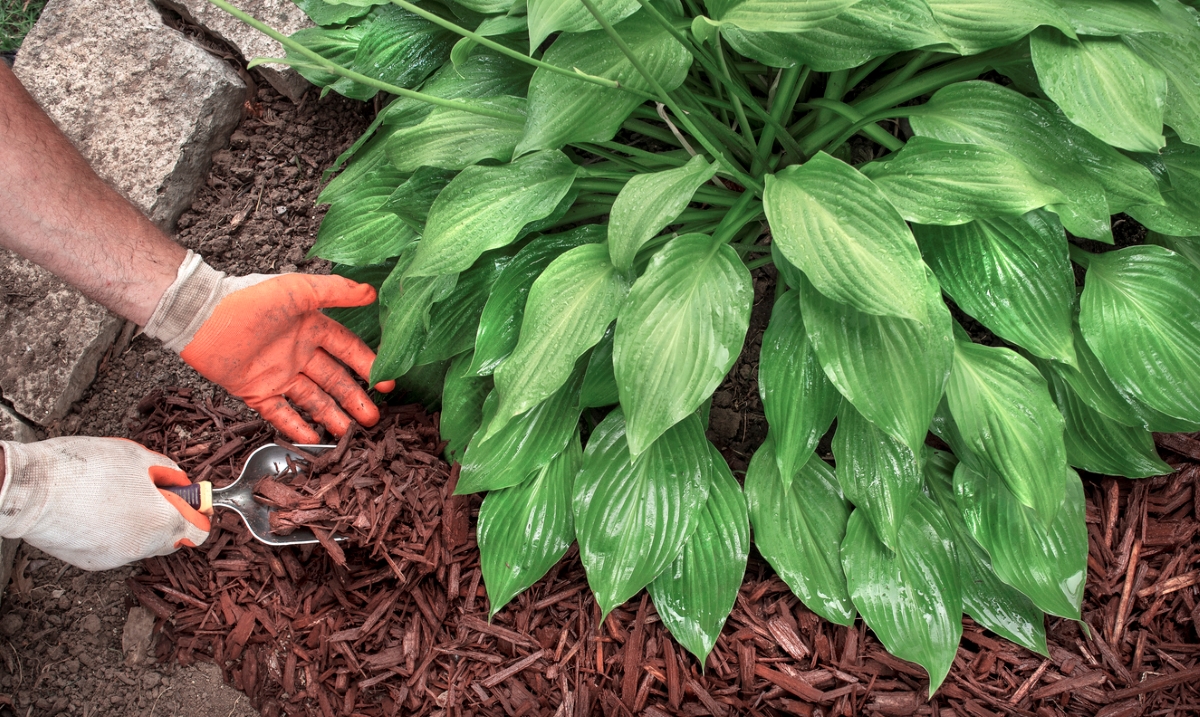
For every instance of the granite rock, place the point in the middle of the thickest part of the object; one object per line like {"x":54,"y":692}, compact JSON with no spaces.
{"x":14,"y":428}
{"x":282,"y":15}
{"x":144,"y":105}
{"x":51,"y":341}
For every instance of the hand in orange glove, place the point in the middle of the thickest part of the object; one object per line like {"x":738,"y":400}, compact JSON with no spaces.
{"x":264,"y":339}
{"x":96,"y":503}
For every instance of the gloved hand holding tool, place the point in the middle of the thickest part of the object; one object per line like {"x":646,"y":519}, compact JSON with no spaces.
{"x":96,"y":503}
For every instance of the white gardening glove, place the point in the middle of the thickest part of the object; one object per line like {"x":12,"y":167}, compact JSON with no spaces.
{"x":95,"y":502}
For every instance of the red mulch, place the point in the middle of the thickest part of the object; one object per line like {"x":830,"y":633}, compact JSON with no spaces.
{"x":397,"y":625}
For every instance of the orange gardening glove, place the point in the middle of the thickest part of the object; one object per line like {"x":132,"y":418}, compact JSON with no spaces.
{"x":264,"y":339}
{"x":95,"y":502}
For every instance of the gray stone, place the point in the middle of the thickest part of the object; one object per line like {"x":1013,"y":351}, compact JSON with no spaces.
{"x":145,"y":106}
{"x":14,"y":428}
{"x":51,"y":341}
{"x":281,"y":15}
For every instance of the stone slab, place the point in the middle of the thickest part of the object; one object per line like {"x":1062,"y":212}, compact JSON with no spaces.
{"x":282,"y":15}
{"x":14,"y":428}
{"x":145,"y":106}
{"x":51,"y":340}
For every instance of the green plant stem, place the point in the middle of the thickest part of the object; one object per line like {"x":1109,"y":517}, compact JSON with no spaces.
{"x":928,"y":81}
{"x":870,"y":129}
{"x":759,"y":262}
{"x":664,"y":136}
{"x":738,"y":110}
{"x":790,"y":82}
{"x":736,"y":218}
{"x":493,"y":45}
{"x":664,"y":97}
{"x":868,"y":122}
{"x":584,"y":211}
{"x":911,"y":68}
{"x":835,"y":87}
{"x":612,"y":157}
{"x":648,"y":158}
{"x":710,"y":66}
{"x":1079,"y":255}
{"x":861,"y":73}
{"x":337,"y":69}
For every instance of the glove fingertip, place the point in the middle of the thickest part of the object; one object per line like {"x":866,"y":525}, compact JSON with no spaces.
{"x":385,"y":386}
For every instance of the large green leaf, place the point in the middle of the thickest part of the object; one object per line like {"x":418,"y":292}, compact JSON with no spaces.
{"x":1187,"y":247}
{"x":525,"y":529}
{"x":1005,"y":415}
{"x":776,"y":15}
{"x":1012,"y":274}
{"x":799,"y":530}
{"x":550,"y":16}
{"x":798,"y":400}
{"x":569,"y":307}
{"x":1055,"y":151}
{"x":404,"y":317}
{"x":357,"y":230}
{"x":336,"y":44}
{"x":1140,"y":314}
{"x":1114,"y":17}
{"x":910,"y":598}
{"x":455,"y":319}
{"x":696,"y":592}
{"x":1046,"y":563}
{"x":463,"y":394}
{"x":400,"y":48}
{"x":1091,"y":383}
{"x":411,"y":201}
{"x":453,"y":138}
{"x":563,"y":109}
{"x":1181,"y":215}
{"x":600,"y":381}
{"x":977,"y":25}
{"x":1174,"y":51}
{"x":485,"y":74}
{"x":500,"y":324}
{"x":936,"y":182}
{"x":893,"y":370}
{"x":485,"y":207}
{"x":1099,"y":444}
{"x":633,"y":519}
{"x":992,"y":603}
{"x":878,"y":474}
{"x":841,"y":230}
{"x":497,"y":26}
{"x":1103,"y":86}
{"x":678,"y":333}
{"x":648,"y":203}
{"x":362,"y":320}
{"x":867,"y":29}
{"x":324,"y":13}
{"x":526,"y":444}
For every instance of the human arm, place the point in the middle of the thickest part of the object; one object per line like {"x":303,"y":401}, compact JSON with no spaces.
{"x":269,"y":346}
{"x":56,"y":212}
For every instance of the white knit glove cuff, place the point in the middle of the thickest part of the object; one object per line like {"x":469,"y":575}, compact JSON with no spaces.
{"x":23,"y":497}
{"x":190,"y":300}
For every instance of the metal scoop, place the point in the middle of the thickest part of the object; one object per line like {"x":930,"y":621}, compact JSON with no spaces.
{"x":269,"y":461}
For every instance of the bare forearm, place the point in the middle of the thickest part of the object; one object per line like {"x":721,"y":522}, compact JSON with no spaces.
{"x":56,"y":212}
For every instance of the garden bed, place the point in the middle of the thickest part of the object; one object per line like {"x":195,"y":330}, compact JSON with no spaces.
{"x":302,"y":633}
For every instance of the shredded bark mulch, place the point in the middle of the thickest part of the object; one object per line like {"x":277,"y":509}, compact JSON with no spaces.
{"x":393,"y":621}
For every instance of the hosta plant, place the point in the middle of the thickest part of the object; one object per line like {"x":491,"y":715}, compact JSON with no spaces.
{"x":562,"y":201}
